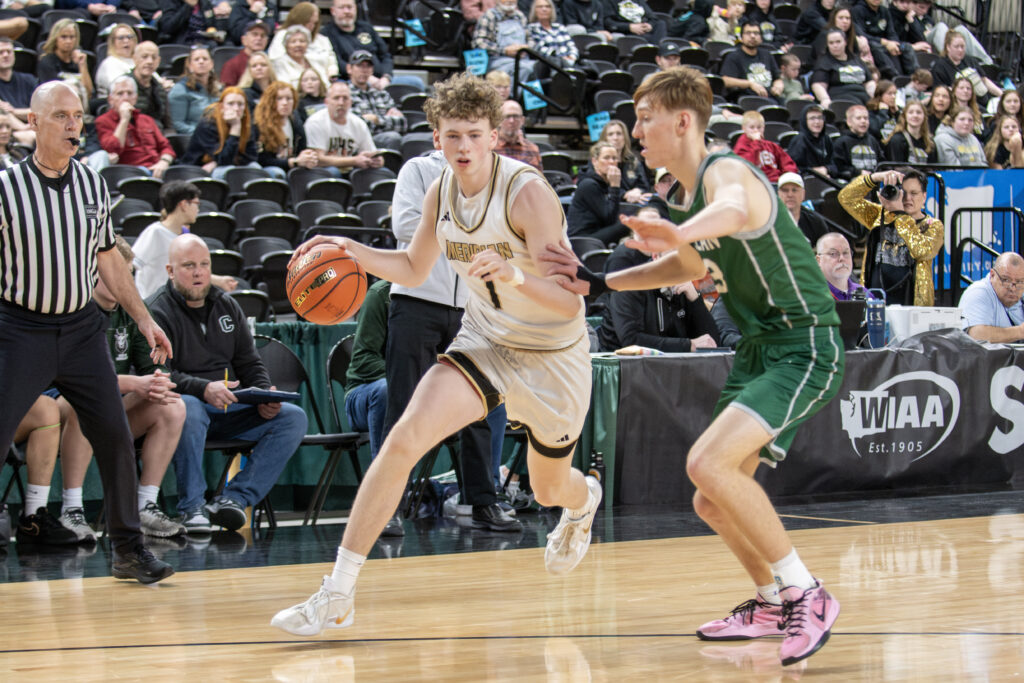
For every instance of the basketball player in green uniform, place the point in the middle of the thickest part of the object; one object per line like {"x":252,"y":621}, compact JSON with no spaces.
{"x":726,"y":218}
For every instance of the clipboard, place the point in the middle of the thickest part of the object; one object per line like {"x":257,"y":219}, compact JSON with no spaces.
{"x":254,"y":396}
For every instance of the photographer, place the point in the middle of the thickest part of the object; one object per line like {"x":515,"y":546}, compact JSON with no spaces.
{"x":902,"y":239}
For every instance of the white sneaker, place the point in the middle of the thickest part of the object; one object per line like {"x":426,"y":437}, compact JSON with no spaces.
{"x":324,"y":609}
{"x":196,"y":521}
{"x":73,"y":519}
{"x":155,"y":523}
{"x":568,"y":542}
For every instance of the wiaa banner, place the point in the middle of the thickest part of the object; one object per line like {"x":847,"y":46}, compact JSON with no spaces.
{"x":941,"y":410}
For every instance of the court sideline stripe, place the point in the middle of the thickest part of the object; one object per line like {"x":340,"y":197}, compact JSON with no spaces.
{"x":828,"y":519}
{"x":357,"y":641}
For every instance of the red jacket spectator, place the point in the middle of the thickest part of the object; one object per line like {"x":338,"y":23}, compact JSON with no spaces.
{"x":767,"y":156}
{"x":144,"y":144}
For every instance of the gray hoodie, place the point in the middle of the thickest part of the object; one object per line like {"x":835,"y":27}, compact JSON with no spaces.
{"x":957,"y":150}
{"x":442,"y":286}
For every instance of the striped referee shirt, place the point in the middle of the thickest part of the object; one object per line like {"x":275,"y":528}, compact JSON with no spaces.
{"x":50,"y":232}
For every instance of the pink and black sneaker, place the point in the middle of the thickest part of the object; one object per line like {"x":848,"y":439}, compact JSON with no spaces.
{"x":808,"y":617}
{"x":753,"y":619}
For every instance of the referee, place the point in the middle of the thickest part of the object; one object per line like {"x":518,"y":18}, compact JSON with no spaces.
{"x":56,"y":237}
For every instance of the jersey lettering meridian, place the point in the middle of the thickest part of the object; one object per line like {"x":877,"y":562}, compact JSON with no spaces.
{"x":465,"y":251}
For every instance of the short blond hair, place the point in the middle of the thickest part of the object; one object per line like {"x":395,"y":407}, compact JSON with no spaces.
{"x":752,"y":117}
{"x":681,"y":87}
{"x":465,"y":97}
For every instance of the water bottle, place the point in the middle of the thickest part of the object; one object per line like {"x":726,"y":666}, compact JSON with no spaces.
{"x":597,"y":470}
{"x":876,"y":320}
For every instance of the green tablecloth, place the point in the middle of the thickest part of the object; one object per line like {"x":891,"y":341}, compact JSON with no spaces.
{"x":599,"y":429}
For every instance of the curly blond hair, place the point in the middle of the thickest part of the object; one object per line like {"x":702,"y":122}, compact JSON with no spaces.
{"x":466,"y":97}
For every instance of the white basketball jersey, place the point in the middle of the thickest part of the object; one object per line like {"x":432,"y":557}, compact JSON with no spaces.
{"x":467,"y":226}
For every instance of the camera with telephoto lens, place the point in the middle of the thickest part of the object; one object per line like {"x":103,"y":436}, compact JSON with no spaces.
{"x":890,"y":192}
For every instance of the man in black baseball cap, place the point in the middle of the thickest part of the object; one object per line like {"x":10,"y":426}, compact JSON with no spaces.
{"x":376,"y":107}
{"x":254,"y":39}
{"x":668,"y":54}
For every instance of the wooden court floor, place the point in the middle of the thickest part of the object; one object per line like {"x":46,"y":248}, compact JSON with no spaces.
{"x":921,"y":601}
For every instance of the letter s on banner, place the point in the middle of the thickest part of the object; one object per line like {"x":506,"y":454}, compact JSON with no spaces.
{"x":1002,"y":379}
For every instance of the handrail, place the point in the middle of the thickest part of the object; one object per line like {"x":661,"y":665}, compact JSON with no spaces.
{"x":544,"y":59}
{"x":956,"y":258}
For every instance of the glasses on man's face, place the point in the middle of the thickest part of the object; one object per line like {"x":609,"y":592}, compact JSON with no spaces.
{"x":835,"y":254}
{"x":1007,"y":282}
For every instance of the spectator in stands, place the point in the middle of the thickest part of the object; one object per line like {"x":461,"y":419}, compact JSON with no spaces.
{"x":254,"y":39}
{"x":691,"y":25}
{"x":840,"y":74}
{"x":594,"y":211}
{"x":376,"y":107}
{"x":153,"y":98}
{"x":812,"y":21}
{"x":956,"y":142}
{"x":634,"y":17}
{"x":14,"y":27}
{"x":319,"y":51}
{"x":919,"y":88}
{"x":121,"y":43}
{"x":725,"y":24}
{"x":938,"y":106}
{"x":278,"y":130}
{"x":963,"y":97}
{"x":766,"y":155}
{"x":892,"y":57}
{"x":548,"y":36}
{"x":290,"y":65}
{"x":63,"y":59}
{"x":244,"y":15}
{"x":193,"y":22}
{"x":502,"y":32}
{"x":936,"y":32}
{"x":472,"y":10}
{"x":856,"y":44}
{"x":259,"y":74}
{"x":15,"y":93}
{"x":663,"y":181}
{"x":224,"y":138}
{"x":155,"y":414}
{"x":341,"y":141}
{"x":668,"y":54}
{"x":146,"y":11}
{"x":179,"y":204}
{"x":902,"y":239}
{"x":991,"y":307}
{"x":9,"y":154}
{"x":751,"y":70}
{"x":1004,"y":147}
{"x":312,"y":91}
{"x":585,"y":16}
{"x":911,"y":141}
{"x":512,"y":140}
{"x":671,"y":319}
{"x":366,"y":386}
{"x":130,"y":136}
{"x":1009,"y":105}
{"x":39,"y":430}
{"x":501,"y":82}
{"x":857,"y":152}
{"x":908,"y":26}
{"x":792,"y":84}
{"x":812,"y":148}
{"x":955,"y":65}
{"x":762,"y":13}
{"x":792,"y":194}
{"x":635,"y":182}
{"x":190,"y":96}
{"x":209,"y":332}
{"x":347,"y":34}
{"x":882,"y":110}
{"x":835,"y":258}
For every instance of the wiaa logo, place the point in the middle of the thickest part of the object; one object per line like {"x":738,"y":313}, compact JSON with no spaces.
{"x":909,"y":414}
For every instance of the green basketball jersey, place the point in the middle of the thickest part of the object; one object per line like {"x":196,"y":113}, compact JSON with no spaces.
{"x":769,"y":278}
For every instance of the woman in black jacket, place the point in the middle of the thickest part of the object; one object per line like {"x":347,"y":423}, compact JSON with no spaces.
{"x":594,"y":211}
{"x":223,"y":138}
{"x":812,"y":149}
{"x":278,"y":129}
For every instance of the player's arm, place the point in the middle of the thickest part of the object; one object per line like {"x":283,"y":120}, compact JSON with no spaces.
{"x":408,"y":267}
{"x":685,"y":265}
{"x":537,"y":215}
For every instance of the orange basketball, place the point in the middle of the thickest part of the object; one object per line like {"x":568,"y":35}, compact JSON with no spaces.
{"x":327,"y":286}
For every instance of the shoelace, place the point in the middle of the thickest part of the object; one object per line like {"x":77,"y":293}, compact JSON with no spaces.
{"x":76,"y":516}
{"x":746,"y":610}
{"x":794,"y":612}
{"x":318,"y":602}
{"x":154,"y":509}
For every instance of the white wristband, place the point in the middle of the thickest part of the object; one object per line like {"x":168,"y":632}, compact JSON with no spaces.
{"x":517,"y":277}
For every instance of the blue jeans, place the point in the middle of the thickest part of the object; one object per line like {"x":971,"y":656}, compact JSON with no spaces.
{"x":365,"y":407}
{"x":276,"y":440}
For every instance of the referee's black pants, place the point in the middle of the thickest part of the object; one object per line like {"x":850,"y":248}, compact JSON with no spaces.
{"x":418,"y":330}
{"x":71,"y":351}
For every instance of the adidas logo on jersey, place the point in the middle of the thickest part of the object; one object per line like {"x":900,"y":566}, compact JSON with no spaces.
{"x":445,"y":217}
{"x":564,"y":439}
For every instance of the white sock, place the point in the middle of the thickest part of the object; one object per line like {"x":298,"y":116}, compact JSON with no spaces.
{"x":579,"y":513}
{"x":346,"y":570}
{"x":769,"y":594}
{"x":790,"y":571}
{"x":147,"y":494}
{"x":72,"y":498}
{"x":35,"y":498}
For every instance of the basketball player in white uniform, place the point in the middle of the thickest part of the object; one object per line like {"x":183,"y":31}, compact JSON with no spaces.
{"x":523,"y":341}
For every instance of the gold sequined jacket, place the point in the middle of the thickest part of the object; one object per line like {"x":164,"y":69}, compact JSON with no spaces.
{"x":923,"y":238}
